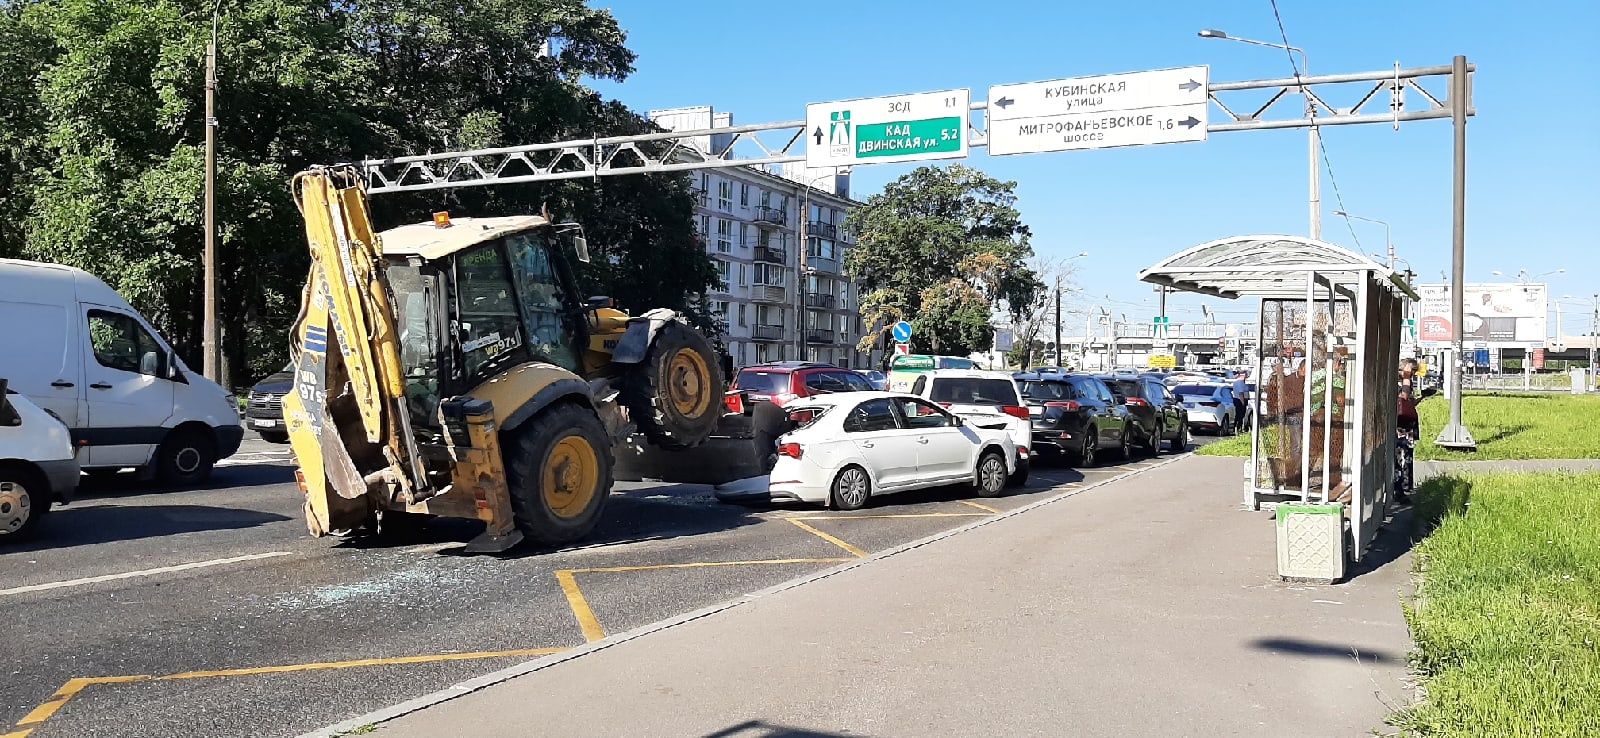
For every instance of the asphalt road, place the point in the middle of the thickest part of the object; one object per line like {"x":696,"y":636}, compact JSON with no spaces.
{"x":142,"y":611}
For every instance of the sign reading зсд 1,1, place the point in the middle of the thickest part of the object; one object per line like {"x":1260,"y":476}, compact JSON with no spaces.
{"x":1133,"y":109}
{"x":884,"y":130}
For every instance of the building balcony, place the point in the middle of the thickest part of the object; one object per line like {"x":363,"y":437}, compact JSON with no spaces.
{"x":767,"y":293}
{"x":772,"y":255}
{"x":818,"y":300}
{"x":819,"y":335}
{"x":820,"y":229}
{"x":766,"y":332}
{"x":771,"y":215}
{"x":700,"y":196}
{"x":819,"y":264}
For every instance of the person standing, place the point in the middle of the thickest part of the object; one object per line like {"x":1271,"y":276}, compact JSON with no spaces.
{"x":1407,"y":429}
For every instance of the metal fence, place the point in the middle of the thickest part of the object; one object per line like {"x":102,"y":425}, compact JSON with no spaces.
{"x":1518,"y":382}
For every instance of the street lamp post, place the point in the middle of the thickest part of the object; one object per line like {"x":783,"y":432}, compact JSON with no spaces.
{"x":1387,"y":241}
{"x":1311,"y":112}
{"x":1059,"y":349}
{"x":804,"y":196}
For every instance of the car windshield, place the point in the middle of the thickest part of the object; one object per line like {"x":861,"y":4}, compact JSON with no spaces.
{"x":1194,"y":389}
{"x":1043,"y":390}
{"x":762,"y":383}
{"x":973,"y":391}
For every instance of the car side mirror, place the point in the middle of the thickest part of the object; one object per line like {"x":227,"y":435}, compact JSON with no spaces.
{"x":581,"y":246}
{"x":960,"y":421}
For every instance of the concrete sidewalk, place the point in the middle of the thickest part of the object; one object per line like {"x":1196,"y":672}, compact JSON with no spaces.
{"x":1148,"y":606}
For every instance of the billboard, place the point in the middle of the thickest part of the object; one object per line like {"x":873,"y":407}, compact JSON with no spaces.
{"x":1502,"y":315}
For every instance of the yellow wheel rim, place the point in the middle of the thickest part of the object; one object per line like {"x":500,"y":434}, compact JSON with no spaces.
{"x":689,"y":383}
{"x":571,"y":477}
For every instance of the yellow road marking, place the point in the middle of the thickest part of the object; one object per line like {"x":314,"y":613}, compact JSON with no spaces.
{"x":824,"y":536}
{"x":390,"y":661}
{"x":580,"y":607}
{"x":47,"y":710}
{"x":986,"y":508}
{"x":903,"y":515}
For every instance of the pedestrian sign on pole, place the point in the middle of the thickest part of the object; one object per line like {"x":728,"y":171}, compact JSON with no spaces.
{"x":902,"y":331}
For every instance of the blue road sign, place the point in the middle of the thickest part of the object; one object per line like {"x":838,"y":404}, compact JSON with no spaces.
{"x":1481,"y":357}
{"x":902,"y":331}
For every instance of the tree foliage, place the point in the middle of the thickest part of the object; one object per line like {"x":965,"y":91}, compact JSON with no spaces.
{"x":944,"y":248}
{"x":102,"y":141}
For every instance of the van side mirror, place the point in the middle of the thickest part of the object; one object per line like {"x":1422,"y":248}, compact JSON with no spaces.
{"x":9,"y":417}
{"x":581,"y":246}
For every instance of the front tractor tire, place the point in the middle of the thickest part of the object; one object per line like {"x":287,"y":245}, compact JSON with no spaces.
{"x":558,"y":468}
{"x":675,"y":394}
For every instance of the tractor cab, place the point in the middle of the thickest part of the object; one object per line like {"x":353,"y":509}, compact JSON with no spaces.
{"x":476,"y":297}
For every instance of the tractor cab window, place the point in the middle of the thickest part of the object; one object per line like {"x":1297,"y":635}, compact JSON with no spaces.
{"x":489,"y":329}
{"x":414,"y":294}
{"x":544,"y":300}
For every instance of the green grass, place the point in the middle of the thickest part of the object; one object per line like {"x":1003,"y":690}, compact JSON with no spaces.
{"x":1506,"y":426}
{"x":1506,"y":617}
{"x":1516,"y":426}
{"x":1234,"y":446}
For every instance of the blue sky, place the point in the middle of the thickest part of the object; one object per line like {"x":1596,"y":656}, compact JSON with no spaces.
{"x":1533,"y":149}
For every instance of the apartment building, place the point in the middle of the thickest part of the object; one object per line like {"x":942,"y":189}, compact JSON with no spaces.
{"x":779,"y":241}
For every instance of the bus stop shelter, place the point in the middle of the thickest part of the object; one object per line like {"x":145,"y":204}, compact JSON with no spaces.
{"x":1329,"y":325}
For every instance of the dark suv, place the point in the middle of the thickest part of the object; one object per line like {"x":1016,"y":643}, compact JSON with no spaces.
{"x":263,"y":411}
{"x":1156,"y":414}
{"x":1075,"y":414}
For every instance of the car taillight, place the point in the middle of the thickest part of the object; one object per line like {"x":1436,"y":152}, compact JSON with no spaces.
{"x":1015,"y":411}
{"x":943,"y":404}
{"x":734,"y":401}
{"x":791,"y":450}
{"x":779,"y":399}
{"x":1137,"y":402}
{"x":1069,"y":405}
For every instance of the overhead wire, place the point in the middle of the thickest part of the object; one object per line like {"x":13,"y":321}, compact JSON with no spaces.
{"x":1321,"y":144}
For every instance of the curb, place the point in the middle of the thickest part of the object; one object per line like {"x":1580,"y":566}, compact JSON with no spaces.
{"x":402,"y":709}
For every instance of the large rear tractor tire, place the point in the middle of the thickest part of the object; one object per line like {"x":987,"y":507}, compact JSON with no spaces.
{"x":558,"y":467}
{"x":675,"y":394}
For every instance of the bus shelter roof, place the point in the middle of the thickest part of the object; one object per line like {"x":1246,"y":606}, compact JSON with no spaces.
{"x":1268,"y":266}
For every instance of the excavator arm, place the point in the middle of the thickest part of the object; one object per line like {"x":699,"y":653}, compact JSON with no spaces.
{"x":346,"y":416}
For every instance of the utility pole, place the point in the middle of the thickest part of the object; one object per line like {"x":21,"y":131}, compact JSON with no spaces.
{"x":1059,"y":349}
{"x":211,"y":363}
{"x":1594,"y":336}
{"x":1455,"y":435}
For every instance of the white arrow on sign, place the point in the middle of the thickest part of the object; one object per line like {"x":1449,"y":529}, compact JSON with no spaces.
{"x":1132,"y":109}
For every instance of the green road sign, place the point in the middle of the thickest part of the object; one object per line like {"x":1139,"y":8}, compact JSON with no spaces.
{"x":933,"y":136}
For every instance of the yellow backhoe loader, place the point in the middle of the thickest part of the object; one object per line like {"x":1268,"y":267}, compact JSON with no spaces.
{"x":454,"y":368}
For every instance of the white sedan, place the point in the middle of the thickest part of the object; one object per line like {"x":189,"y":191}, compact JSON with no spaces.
{"x":851,"y":446}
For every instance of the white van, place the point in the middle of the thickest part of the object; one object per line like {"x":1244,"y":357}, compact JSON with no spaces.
{"x":73,"y":346}
{"x":37,"y":465}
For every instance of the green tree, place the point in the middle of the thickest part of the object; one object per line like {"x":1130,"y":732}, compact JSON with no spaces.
{"x":944,"y":248}
{"x":101,"y":142}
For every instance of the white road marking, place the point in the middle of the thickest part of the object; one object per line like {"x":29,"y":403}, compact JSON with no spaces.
{"x":140,"y":573}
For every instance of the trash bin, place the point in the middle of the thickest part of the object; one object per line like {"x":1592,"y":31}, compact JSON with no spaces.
{"x":1311,"y":544}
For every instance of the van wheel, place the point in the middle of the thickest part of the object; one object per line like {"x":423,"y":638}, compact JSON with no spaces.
{"x":23,"y":502}
{"x":185,"y":458}
{"x":558,"y":469}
